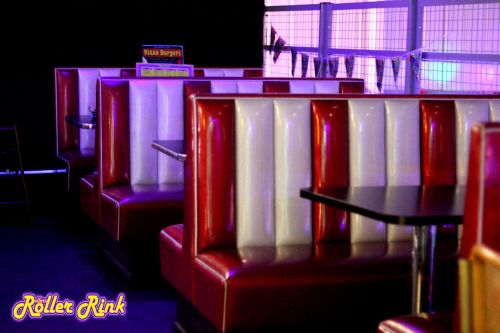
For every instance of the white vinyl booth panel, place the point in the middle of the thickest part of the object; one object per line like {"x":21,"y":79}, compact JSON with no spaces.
{"x":468,"y":113}
{"x":292,"y":158}
{"x":402,"y":153}
{"x":213,"y":72}
{"x":250,"y":87}
{"x":366,"y":161}
{"x":170,"y":108}
{"x":495,"y":110}
{"x":233,"y":72}
{"x":223,"y":86}
{"x":255,"y":172}
{"x":87,"y":87}
{"x":109,"y":72}
{"x":143,"y":124}
{"x":156,"y":113}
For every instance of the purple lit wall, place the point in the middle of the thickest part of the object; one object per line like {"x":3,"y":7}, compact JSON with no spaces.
{"x":460,"y":42}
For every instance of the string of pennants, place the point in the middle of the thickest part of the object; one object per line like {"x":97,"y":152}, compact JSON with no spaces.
{"x":331,"y":65}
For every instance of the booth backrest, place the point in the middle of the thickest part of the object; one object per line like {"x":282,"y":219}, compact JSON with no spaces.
{"x":482,"y":212}
{"x":228,"y":72}
{"x":75,"y":90}
{"x":136,"y":111}
{"x":251,"y":155}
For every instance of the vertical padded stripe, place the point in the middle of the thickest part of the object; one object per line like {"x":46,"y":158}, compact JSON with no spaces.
{"x":128,"y":72}
{"x":438,"y":148}
{"x":66,"y":105}
{"x":233,"y":72}
{"x":223,"y":86}
{"x":273,"y":87}
{"x":292,"y":160}
{"x":254,"y":172}
{"x":438,"y":142}
{"x":143,"y":130}
{"x":170,"y":108}
{"x":199,"y":73}
{"x":491,"y":210}
{"x":495,"y":110}
{"x":326,"y":87}
{"x":366,"y":161}
{"x":213,"y":72}
{"x":253,"y":72}
{"x":190,"y":127}
{"x":216,"y":174}
{"x":351,"y":87}
{"x":249,"y":87}
{"x":474,"y":192}
{"x":87,"y":80}
{"x":114,"y":130}
{"x":403,"y":152}
{"x":468,"y":112}
{"x":110,"y":72}
{"x":330,"y":167}
{"x":302,"y":87}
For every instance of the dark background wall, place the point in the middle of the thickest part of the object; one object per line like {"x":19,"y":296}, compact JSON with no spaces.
{"x":95,"y":33}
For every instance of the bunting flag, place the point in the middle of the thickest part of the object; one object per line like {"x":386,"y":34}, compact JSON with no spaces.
{"x":415,"y":60}
{"x":278,"y":47}
{"x":317,"y":66}
{"x":333,"y":66}
{"x":305,"y":64}
{"x":273,"y":38}
{"x":379,"y":65}
{"x":396,"y":64}
{"x":349,"y":65}
{"x":294,"y":60}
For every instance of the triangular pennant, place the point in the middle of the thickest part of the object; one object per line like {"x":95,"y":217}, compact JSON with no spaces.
{"x":305,"y":64}
{"x":333,"y":66}
{"x":396,"y":64}
{"x":273,"y":38}
{"x":349,"y":65}
{"x":415,"y":61}
{"x":380,"y":64}
{"x":317,"y":66}
{"x":278,"y":47}
{"x":294,"y":60}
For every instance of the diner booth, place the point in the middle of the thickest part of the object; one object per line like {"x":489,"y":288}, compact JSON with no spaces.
{"x":350,"y":184}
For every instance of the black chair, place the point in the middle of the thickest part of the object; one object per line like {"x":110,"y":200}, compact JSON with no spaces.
{"x":14,"y":202}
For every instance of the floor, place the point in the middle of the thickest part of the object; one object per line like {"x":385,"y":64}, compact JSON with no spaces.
{"x":57,"y":252}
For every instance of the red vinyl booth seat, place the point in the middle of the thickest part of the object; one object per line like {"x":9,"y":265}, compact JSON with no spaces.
{"x":75,"y":91}
{"x":251,"y":254}
{"x":481,"y":218}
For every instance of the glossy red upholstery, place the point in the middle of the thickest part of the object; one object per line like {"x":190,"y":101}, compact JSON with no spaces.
{"x":351,"y":87}
{"x":78,"y":162}
{"x":128,"y":212}
{"x":438,"y":148}
{"x":127,"y":72}
{"x":276,"y":87}
{"x":330,"y":141}
{"x":226,"y":283}
{"x":252,"y":288}
{"x":216,"y":221}
{"x":89,"y":196}
{"x":72,"y":99}
{"x":481,"y":218}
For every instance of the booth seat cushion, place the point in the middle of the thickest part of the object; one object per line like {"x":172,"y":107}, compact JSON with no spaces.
{"x":252,"y":288}
{"x":80,"y":162}
{"x":138,"y":211}
{"x":282,"y":287}
{"x":433,"y":322}
{"x":89,"y":196}
{"x":174,"y":259}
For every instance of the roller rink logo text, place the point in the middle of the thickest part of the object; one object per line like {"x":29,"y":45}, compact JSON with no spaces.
{"x":93,"y":306}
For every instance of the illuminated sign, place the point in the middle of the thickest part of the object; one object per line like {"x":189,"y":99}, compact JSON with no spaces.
{"x":170,"y":54}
